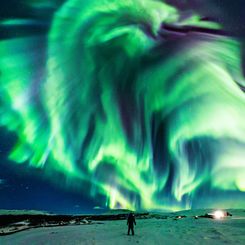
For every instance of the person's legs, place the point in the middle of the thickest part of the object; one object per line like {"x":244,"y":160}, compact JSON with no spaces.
{"x":128,"y":229}
{"x":132,"y":230}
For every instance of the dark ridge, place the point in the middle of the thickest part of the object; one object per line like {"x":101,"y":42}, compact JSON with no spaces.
{"x":39,"y":220}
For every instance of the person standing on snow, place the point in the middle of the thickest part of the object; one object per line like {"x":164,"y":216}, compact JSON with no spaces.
{"x":131,"y":222}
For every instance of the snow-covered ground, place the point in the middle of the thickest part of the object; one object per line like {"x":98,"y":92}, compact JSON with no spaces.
{"x":230,"y":230}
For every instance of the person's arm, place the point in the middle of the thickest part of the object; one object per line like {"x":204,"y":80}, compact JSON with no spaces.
{"x":134,"y":221}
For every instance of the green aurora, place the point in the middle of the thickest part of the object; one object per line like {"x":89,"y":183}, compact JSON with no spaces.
{"x":124,"y":109}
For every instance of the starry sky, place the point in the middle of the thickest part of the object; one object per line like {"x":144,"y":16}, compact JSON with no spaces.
{"x":132,"y":104}
{"x":22,"y":188}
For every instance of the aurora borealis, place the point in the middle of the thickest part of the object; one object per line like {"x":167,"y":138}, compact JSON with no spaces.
{"x":136,"y":103}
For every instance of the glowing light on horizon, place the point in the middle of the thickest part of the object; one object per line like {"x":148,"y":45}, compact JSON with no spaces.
{"x":219,"y":214}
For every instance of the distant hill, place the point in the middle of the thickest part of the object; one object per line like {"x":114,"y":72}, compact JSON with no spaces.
{"x":22,"y":212}
{"x":117,"y":211}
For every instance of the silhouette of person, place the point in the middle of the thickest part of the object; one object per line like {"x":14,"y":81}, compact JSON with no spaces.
{"x":131,"y":222}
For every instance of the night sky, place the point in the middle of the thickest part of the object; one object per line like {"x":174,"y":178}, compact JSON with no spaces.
{"x":134,"y":104}
{"x":24,"y":188}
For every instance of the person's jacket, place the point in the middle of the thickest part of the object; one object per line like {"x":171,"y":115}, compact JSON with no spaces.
{"x":131,"y":220}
